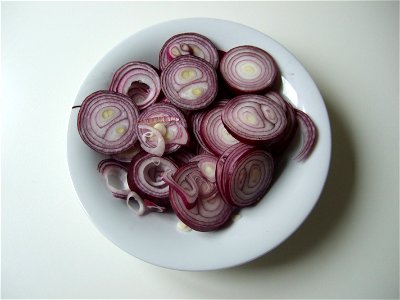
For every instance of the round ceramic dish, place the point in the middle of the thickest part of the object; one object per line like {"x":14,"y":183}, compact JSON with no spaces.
{"x":154,"y":238}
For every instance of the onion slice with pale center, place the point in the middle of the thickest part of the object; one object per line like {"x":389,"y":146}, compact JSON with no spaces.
{"x":188,"y":43}
{"x":189,"y":82}
{"x":248,"y":69}
{"x":106,"y":122}
{"x":254,"y":118}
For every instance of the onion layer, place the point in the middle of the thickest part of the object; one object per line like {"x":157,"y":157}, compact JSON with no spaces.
{"x":188,"y":44}
{"x":308,"y":133}
{"x":106,"y":122}
{"x":139,"y":81}
{"x":189,"y":82}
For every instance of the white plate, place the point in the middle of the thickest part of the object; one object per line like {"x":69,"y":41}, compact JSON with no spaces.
{"x":154,"y":237}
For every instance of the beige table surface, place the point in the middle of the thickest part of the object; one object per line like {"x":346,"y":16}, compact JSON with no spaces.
{"x":347,"y":248}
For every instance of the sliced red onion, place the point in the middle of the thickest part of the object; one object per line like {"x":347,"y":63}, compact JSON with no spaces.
{"x":188,"y":194}
{"x":213,"y":132}
{"x":142,"y":205}
{"x":207,"y":165}
{"x":308,"y":133}
{"x":170,"y":123}
{"x":145,"y":177}
{"x":247,"y":175}
{"x":188,"y":44}
{"x":106,"y":122}
{"x":165,"y":100}
{"x":139,"y":81}
{"x":115,"y":174}
{"x":151,"y":140}
{"x":248,"y":69}
{"x":278,"y":99}
{"x":254,"y":119}
{"x":189,"y":82}
{"x":210,"y":211}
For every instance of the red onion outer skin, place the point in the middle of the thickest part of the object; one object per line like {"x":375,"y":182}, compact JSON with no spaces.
{"x":206,"y":215}
{"x":106,"y":122}
{"x":248,"y":70}
{"x":189,"y":43}
{"x":189,"y":82}
{"x":247,"y":173}
{"x":145,"y":177}
{"x":254,"y":119}
{"x":139,"y":81}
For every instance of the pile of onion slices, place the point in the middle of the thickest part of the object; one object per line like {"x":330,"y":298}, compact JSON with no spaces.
{"x":200,"y":136}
